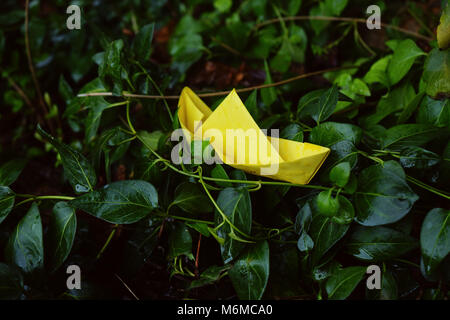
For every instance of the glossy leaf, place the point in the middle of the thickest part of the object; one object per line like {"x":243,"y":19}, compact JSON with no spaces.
{"x":435,"y":238}
{"x":10,"y":171}
{"x":120,"y":202}
{"x":383,"y":195}
{"x":7,"y":197}
{"x":143,"y":41}
{"x":209,"y":276}
{"x":437,"y":72}
{"x":325,"y":233}
{"x":407,"y":135}
{"x":343,"y":281}
{"x":250,"y":272}
{"x":63,"y":226}
{"x":434,"y":112}
{"x":417,"y":157}
{"x":219,"y":173}
{"x":110,"y":70}
{"x":25,"y":248}
{"x":77,"y":168}
{"x":379,"y":243}
{"x":404,"y":56}
{"x":235,"y":204}
{"x":190,"y":198}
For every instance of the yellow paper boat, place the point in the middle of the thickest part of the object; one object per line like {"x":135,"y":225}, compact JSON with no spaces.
{"x":239,"y":142}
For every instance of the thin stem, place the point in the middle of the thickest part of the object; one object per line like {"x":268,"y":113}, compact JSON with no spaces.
{"x":156,"y":87}
{"x":347,"y":19}
{"x":254,"y":182}
{"x":130,"y":125}
{"x":31,"y":67}
{"x":427,"y":187}
{"x":111,"y":235}
{"x":422,"y":24}
{"x":223,"y":215}
{"x":222,"y":93}
{"x":34,"y":198}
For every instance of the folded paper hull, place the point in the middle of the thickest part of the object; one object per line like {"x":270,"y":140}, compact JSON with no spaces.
{"x":285,"y":160}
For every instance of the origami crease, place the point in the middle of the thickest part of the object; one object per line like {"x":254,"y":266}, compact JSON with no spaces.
{"x":253,"y":152}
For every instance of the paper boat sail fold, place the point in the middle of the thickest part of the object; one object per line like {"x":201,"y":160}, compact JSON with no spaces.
{"x":240,"y":143}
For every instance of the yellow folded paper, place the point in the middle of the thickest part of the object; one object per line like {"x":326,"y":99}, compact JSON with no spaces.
{"x":239,"y":142}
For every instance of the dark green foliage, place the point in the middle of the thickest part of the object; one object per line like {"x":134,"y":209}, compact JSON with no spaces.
{"x":87,"y":177}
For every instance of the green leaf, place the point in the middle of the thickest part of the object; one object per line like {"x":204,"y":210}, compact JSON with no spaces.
{"x":410,"y":108}
{"x":292,"y":132}
{"x":340,"y":174}
{"x":96,"y":106}
{"x":325,"y":233}
{"x":410,"y":134}
{"x":7,"y":197}
{"x":379,"y":243}
{"x":343,"y":281}
{"x":282,"y":60}
{"x":303,"y":219}
{"x":223,"y":5}
{"x":180,"y":241}
{"x":443,"y":30}
{"x":336,"y":6}
{"x":404,"y":56}
{"x":434,"y":112}
{"x":25,"y":248}
{"x":417,"y":157}
{"x":294,"y":6}
{"x":252,"y":105}
{"x":209,"y":276}
{"x":63,"y":226}
{"x":250,"y":272}
{"x":346,"y":212}
{"x":190,"y":198}
{"x":268,"y":95}
{"x":329,"y":133}
{"x":77,"y":168}
{"x":383,"y":195}
{"x":11,"y":281}
{"x":219,"y":173}
{"x":341,"y":138}
{"x":435,"y":238}
{"x":437,"y":72}
{"x":10,"y":171}
{"x":308,"y":104}
{"x":200,"y":227}
{"x":120,"y":202}
{"x":186,"y":44}
{"x":142,"y":43}
{"x":326,"y":105}
{"x":235,"y":204}
{"x":377,"y":72}
{"x":320,"y":10}
{"x":305,"y":243}
{"x":397,"y":100}
{"x":110,"y":70}
{"x":151,"y":139}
